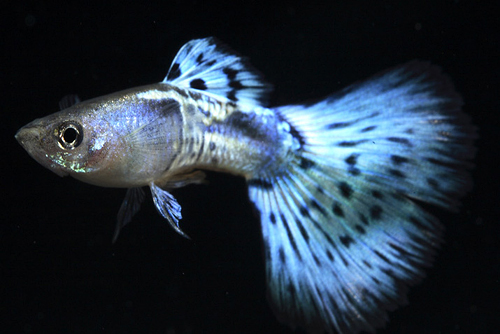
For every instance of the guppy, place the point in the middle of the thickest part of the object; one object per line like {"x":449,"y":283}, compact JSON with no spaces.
{"x":337,"y":182}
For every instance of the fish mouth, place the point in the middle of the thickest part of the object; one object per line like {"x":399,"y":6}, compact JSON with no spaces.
{"x":30,"y":138}
{"x":26,"y":135}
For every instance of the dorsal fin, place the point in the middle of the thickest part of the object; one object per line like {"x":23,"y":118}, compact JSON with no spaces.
{"x":68,"y":101}
{"x":210,"y":67}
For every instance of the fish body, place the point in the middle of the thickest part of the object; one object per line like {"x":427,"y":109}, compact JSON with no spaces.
{"x":164,"y":131}
{"x":336,"y":182}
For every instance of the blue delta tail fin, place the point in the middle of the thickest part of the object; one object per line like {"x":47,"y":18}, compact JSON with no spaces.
{"x":343,"y":234}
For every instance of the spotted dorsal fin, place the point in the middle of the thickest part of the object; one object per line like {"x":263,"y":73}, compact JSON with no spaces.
{"x":210,"y":67}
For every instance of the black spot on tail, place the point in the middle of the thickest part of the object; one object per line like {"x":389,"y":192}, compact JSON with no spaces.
{"x":398,"y":160}
{"x":397,"y":173}
{"x":318,"y":207}
{"x":337,"y":210}
{"x":345,"y":189}
{"x":339,"y":125}
{"x":231,"y":95}
{"x":302,"y":230}
{"x":317,"y":261}
{"x":400,"y":140}
{"x":433,"y":183}
{"x":329,"y":254}
{"x":382,"y":256}
{"x":375,"y":212}
{"x":304,"y":211}
{"x":235,"y":84}
{"x":360,"y":229}
{"x":352,"y":159}
{"x":351,"y":143}
{"x":415,"y":221}
{"x":282,"y":255}
{"x":390,"y":272}
{"x":400,"y":250}
{"x":306,"y":163}
{"x":369,"y":128}
{"x":363,"y":219}
{"x":346,"y":240}
{"x":290,"y":237}
{"x":377,"y":194}
{"x":354,"y":171}
{"x":441,"y":163}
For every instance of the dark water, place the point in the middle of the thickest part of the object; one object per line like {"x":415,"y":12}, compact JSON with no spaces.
{"x":60,"y":272}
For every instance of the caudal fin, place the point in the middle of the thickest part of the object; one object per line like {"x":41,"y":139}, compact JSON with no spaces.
{"x":343,"y":234}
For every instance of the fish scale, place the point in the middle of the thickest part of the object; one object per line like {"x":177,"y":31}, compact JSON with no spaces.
{"x":337,"y":183}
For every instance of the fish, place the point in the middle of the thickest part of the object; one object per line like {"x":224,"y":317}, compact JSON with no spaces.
{"x":339,"y":183}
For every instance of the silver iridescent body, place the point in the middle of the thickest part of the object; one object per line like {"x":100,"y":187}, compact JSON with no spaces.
{"x":157,"y":133}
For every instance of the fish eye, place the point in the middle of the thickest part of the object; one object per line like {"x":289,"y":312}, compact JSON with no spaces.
{"x":70,"y":135}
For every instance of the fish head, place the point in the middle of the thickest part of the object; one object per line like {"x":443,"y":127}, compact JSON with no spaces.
{"x":69,"y":142}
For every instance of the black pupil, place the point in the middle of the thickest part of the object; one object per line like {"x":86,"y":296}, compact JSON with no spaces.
{"x":69,"y":135}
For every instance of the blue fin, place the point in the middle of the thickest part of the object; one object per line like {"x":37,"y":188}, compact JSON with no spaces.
{"x":208,"y":66}
{"x":343,"y":235}
{"x":164,"y":201}
{"x":168,"y":207}
{"x":130,"y":206}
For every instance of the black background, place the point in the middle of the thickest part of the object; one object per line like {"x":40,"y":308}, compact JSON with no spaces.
{"x":60,"y":272}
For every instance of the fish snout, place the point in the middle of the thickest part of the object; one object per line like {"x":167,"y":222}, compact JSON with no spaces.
{"x":27,"y":136}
